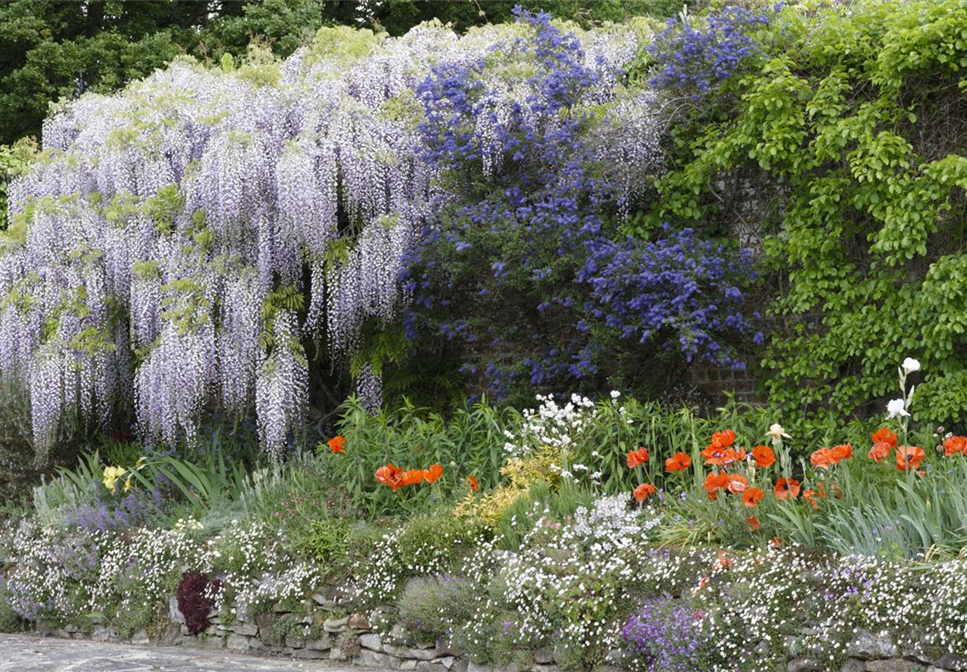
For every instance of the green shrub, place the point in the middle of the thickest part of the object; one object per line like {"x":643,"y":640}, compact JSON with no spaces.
{"x":431,"y":606}
{"x":835,"y":151}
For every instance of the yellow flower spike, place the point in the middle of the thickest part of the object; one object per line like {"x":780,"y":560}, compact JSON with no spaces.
{"x":127,"y":484}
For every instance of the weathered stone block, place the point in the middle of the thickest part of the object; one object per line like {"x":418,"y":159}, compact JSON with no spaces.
{"x":893,"y":665}
{"x":371,"y":642}
{"x":853,"y":665}
{"x":406,"y":652}
{"x":803,"y":665}
{"x":952,"y":661}
{"x":266,"y":623}
{"x":368,"y":658}
{"x":247,"y":629}
{"x":335,"y":624}
{"x":358,"y":622}
{"x":869,"y":646}
{"x":237,"y":642}
{"x":323,"y":643}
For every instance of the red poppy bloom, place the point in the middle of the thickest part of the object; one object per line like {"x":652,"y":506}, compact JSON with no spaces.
{"x":954,"y":445}
{"x":723,"y":439}
{"x":786,"y":488}
{"x":637,"y":457}
{"x":909,"y":457}
{"x":764,"y":456}
{"x":753,"y":523}
{"x":823,"y":458}
{"x":879,"y":451}
{"x":411,"y":477}
{"x":810,"y":496}
{"x":843,"y":451}
{"x":337,"y":444}
{"x":433,"y":473}
{"x":722,"y":457}
{"x":473,"y":483}
{"x":677,"y":462}
{"x":643,"y":492}
{"x":385,"y":473}
{"x":884,"y":435}
{"x":775,"y":542}
{"x":389,"y":475}
{"x":751,"y":496}
{"x":736,"y":483}
{"x":715,"y":481}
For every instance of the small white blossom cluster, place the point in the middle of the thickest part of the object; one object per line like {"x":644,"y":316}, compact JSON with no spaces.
{"x":550,"y":425}
{"x":785,"y":604}
{"x":564,"y":586}
{"x":288,"y":584}
{"x":380,"y":578}
{"x":60,"y":575}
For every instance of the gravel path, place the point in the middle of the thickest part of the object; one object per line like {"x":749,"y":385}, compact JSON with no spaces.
{"x":26,"y":653}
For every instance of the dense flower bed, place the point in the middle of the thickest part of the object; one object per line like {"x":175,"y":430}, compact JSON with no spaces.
{"x":710,"y":556}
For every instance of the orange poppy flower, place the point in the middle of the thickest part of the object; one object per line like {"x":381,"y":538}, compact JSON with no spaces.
{"x":775,"y":542}
{"x":810,"y":496}
{"x":909,"y":457}
{"x":411,"y":477}
{"x":715,"y":481}
{"x":722,"y":561}
{"x":736,"y":483}
{"x":473,"y":483}
{"x":337,"y":444}
{"x":643,"y":492}
{"x":637,"y":457}
{"x":844,"y":451}
{"x":753,"y":523}
{"x":884,"y":435}
{"x":389,"y":475}
{"x":752,"y":496}
{"x":723,"y":439}
{"x":764,"y":456}
{"x":786,"y":488}
{"x":821,"y":487}
{"x":823,"y":458}
{"x":954,"y":445}
{"x":385,"y":473}
{"x":879,"y":451}
{"x":678,"y":462}
{"x":722,"y":457}
{"x":433,"y":473}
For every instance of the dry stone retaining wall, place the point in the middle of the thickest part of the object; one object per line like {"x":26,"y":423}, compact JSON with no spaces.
{"x":327,"y":635}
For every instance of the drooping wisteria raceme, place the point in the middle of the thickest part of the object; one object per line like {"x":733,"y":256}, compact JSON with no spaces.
{"x":177,"y":243}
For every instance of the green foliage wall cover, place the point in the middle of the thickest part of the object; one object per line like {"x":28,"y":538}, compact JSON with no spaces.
{"x":849,"y":127}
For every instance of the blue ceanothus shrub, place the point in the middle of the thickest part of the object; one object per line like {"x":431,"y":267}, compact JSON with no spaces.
{"x":697,"y":57}
{"x":525,"y":270}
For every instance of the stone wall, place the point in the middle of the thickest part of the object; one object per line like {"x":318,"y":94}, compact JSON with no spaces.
{"x":327,"y":634}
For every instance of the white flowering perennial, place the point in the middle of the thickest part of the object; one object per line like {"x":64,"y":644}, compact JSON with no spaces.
{"x":550,"y":425}
{"x":162,"y":224}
